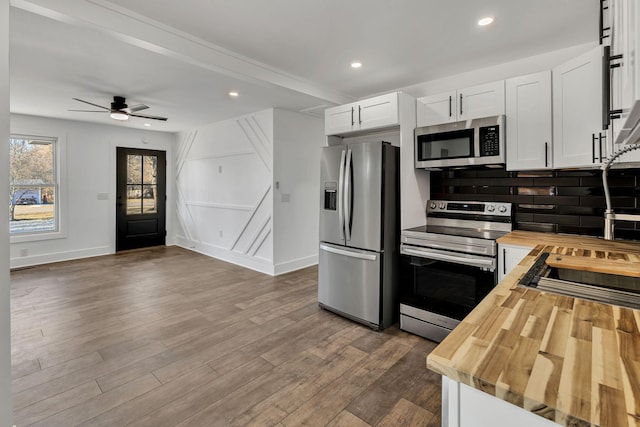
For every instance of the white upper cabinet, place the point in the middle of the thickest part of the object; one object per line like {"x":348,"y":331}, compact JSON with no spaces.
{"x":625,"y":75}
{"x":528,"y":114}
{"x":437,"y":109}
{"x":372,"y":113}
{"x":463,"y":104}
{"x":339,"y":119}
{"x":577,"y":112}
{"x":481,"y":101}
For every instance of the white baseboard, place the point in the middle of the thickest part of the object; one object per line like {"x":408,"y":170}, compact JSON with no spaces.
{"x":28,"y":261}
{"x":260,"y":265}
{"x":296,"y":264}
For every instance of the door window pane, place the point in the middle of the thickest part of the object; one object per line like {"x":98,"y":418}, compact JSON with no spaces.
{"x":149,"y":202}
{"x":134,"y":199}
{"x":134,"y":169}
{"x":150,"y":169}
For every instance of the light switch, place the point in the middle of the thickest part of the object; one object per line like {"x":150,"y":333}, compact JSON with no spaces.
{"x":103,"y":196}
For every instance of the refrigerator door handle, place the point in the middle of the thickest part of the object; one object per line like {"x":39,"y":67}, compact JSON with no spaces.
{"x":367,"y":257}
{"x":347,"y":196}
{"x":340,"y":194}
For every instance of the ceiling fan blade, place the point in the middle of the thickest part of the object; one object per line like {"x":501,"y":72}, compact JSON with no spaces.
{"x":138,"y":107}
{"x":91,"y":103}
{"x":91,"y":111}
{"x":164,"y":119}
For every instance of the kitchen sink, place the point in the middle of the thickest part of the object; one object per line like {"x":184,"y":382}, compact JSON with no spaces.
{"x":606,"y":281}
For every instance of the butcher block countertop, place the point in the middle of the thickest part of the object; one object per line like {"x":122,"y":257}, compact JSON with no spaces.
{"x":573,"y":361}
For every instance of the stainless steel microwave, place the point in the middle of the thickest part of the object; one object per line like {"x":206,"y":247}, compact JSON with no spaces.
{"x":465,"y":143}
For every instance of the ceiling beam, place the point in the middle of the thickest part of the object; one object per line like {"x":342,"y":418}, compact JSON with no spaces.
{"x":145,"y":33}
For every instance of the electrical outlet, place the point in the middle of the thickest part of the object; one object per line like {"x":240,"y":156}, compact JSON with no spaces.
{"x":285,"y":197}
{"x":24,"y":252}
{"x":220,"y":233}
{"x":219,"y":168}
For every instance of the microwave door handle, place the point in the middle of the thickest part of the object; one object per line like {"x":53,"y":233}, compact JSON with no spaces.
{"x":340,"y":194}
{"x":475,"y":262}
{"x":347,"y":195}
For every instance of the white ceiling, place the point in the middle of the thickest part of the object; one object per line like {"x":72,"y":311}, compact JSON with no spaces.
{"x":182,"y":58}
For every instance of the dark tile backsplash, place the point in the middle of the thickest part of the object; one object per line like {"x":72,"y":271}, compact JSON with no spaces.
{"x":555,"y":201}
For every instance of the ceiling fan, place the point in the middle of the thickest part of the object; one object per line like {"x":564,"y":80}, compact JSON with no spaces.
{"x":120,"y":110}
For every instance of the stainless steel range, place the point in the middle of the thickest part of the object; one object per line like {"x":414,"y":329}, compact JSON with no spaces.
{"x":449,"y":265}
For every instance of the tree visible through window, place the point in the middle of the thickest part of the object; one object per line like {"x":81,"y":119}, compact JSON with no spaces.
{"x":33,"y":186}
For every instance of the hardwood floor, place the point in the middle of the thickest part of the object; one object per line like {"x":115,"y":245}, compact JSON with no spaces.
{"x":169,"y":337}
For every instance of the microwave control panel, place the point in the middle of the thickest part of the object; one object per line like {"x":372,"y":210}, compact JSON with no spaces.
{"x":489,"y":138}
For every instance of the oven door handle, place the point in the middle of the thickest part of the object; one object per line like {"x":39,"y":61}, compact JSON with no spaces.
{"x":475,"y":262}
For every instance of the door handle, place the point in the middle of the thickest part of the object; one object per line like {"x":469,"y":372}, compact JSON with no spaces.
{"x":474,"y":262}
{"x":340,"y":194}
{"x":461,"y":104}
{"x":600,"y":138}
{"x":450,"y":102}
{"x":504,"y":261}
{"x":359,"y":115}
{"x":546,"y":154}
{"x":593,"y":147}
{"x":350,"y":254}
{"x":352,"y":122}
{"x":347,"y":196}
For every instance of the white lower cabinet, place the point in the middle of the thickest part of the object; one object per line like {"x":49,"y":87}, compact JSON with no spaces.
{"x":464,"y":406}
{"x":509,"y":256}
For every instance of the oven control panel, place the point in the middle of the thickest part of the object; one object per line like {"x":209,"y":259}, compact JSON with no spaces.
{"x":469,"y":208}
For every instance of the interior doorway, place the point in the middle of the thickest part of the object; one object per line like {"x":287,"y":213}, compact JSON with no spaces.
{"x":140,"y":198}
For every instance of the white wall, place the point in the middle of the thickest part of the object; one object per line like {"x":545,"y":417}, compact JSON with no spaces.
{"x":227,"y":206}
{"x":224,"y":190}
{"x":298,"y":140}
{"x":88,"y":167}
{"x":5,"y":330}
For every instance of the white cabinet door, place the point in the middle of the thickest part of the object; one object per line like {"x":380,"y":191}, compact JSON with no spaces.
{"x":464,"y":104}
{"x":509,"y":256}
{"x":528,"y":110}
{"x":577,"y":112}
{"x":377,"y":112}
{"x":481,"y":101}
{"x":339,"y":119}
{"x":437,"y":109}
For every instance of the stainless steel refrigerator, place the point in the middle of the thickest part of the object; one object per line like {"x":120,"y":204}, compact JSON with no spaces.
{"x":359,"y":232}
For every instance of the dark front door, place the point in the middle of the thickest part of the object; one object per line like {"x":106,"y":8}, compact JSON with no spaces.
{"x":141,"y":201}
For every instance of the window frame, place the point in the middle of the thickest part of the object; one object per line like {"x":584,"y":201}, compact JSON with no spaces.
{"x":59,"y":166}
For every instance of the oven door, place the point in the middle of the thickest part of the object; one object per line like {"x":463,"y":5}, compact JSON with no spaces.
{"x":449,"y":284}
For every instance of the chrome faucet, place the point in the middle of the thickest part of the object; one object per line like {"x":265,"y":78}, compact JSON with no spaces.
{"x":609,"y":215}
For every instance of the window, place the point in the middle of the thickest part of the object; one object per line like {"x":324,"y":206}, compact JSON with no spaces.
{"x":33,"y":185}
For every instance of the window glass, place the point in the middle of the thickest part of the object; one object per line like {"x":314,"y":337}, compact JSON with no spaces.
{"x":141,"y":184}
{"x":33,"y":185}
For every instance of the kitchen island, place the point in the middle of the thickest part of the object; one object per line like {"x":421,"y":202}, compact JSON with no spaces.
{"x":568,"y":360}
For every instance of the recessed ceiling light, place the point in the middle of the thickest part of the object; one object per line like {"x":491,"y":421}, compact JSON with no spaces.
{"x":485,"y":21}
{"x":147,"y":124}
{"x":356,"y":64}
{"x":233,"y":94}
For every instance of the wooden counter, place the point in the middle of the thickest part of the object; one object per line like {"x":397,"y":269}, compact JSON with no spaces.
{"x":572,"y":361}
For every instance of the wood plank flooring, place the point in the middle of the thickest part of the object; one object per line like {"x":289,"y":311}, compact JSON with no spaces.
{"x":168,"y":337}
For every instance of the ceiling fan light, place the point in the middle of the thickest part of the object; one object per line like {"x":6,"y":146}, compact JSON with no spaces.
{"x":119,"y":115}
